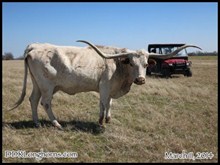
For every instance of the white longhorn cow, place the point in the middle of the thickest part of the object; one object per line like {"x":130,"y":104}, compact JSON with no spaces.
{"x":76,"y":69}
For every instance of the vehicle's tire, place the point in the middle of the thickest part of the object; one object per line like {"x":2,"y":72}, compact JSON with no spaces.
{"x":166,"y":73}
{"x":148,"y":72}
{"x":189,"y":73}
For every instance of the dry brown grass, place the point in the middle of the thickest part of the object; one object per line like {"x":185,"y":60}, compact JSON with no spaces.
{"x":164,"y":115}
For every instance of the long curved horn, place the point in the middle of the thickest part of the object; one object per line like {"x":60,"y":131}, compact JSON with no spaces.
{"x":156,"y":55}
{"x":107,"y":56}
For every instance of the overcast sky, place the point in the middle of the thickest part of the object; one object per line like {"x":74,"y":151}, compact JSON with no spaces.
{"x":129,"y":25}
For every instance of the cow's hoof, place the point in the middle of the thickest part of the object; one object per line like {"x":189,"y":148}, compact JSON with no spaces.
{"x":60,"y":128}
{"x":101,"y":125}
{"x":37,"y":125}
{"x":108,"y":119}
{"x":101,"y":121}
{"x":56,"y":124}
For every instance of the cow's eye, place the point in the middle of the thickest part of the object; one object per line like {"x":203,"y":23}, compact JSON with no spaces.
{"x":131,"y":64}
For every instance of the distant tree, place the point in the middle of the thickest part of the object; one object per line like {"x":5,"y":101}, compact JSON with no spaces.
{"x":8,"y":56}
{"x":199,"y":53}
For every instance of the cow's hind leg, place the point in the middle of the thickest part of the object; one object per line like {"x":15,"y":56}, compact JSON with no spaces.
{"x":46,"y":103}
{"x":34,"y":100}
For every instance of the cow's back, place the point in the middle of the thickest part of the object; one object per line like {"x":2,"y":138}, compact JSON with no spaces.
{"x":70,"y":69}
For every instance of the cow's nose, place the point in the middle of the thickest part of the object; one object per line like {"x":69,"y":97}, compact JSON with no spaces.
{"x":139,"y":81}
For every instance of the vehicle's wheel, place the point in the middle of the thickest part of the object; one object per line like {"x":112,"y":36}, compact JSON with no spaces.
{"x":189,"y":73}
{"x":166,"y":73}
{"x":148,"y":72}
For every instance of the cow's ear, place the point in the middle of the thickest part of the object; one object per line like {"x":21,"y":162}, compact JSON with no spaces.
{"x":125,"y":60}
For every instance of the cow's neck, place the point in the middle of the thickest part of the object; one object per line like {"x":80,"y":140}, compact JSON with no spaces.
{"x":122,"y":80}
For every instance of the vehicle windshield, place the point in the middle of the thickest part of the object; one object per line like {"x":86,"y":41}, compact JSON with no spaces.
{"x":169,"y":49}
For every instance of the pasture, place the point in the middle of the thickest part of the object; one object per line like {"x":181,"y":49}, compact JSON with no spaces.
{"x":163,"y":115}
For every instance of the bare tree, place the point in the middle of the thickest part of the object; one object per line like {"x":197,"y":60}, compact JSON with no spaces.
{"x":8,"y":56}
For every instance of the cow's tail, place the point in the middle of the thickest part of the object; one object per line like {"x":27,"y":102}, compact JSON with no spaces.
{"x":24,"y":83}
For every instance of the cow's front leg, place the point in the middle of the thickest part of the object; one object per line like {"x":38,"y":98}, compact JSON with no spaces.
{"x":105,"y":104}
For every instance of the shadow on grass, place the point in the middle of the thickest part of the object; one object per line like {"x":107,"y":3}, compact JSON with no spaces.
{"x":164,"y":77}
{"x":74,"y":125}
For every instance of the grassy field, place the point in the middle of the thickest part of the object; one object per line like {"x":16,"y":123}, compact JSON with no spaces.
{"x":164,"y":115}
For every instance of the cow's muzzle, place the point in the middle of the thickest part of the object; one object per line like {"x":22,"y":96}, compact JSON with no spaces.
{"x":139,"y":81}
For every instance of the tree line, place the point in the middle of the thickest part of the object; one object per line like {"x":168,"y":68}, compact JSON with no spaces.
{"x":10,"y":56}
{"x":203,"y":53}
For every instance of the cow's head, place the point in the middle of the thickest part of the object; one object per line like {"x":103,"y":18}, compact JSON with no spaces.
{"x":137,"y":60}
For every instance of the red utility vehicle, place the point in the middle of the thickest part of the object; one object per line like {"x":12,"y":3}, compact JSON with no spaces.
{"x":178,"y":64}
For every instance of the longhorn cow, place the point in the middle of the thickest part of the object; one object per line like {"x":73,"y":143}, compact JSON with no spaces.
{"x":108,"y":71}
